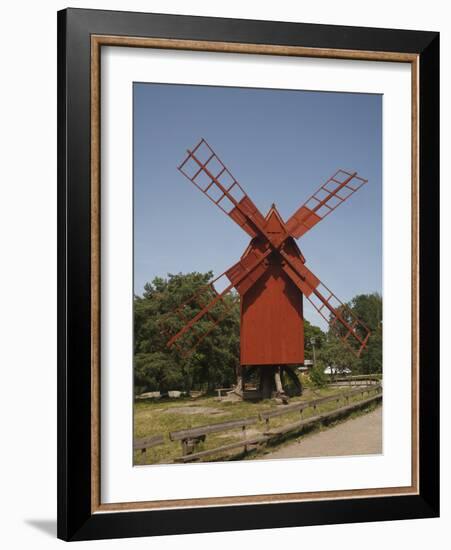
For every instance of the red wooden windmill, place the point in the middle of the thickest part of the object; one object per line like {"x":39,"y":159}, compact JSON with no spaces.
{"x":271,"y":277}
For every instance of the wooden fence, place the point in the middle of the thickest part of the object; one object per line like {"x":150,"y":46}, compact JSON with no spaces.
{"x":190,"y":438}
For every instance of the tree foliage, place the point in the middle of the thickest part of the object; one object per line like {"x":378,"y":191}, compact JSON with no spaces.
{"x":337,"y":356}
{"x":319,"y":338}
{"x":214,"y":360}
{"x":331,"y":352}
{"x":368,"y":309}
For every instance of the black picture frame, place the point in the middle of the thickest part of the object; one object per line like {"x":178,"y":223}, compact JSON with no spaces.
{"x":76,"y":521}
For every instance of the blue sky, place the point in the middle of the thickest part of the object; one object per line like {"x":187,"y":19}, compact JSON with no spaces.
{"x":281,"y":145}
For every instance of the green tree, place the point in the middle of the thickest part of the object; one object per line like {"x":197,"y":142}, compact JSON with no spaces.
{"x":312,"y":331}
{"x":214,"y":361}
{"x":336,"y":355}
{"x":368,"y":309}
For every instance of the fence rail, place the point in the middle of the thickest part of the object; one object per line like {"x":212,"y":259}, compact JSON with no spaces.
{"x":147,"y":443}
{"x":271,"y":413}
{"x":212,"y":428}
{"x":357,"y":380}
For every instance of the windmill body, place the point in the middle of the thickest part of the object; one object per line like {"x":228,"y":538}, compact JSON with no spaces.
{"x":272,"y":323}
{"x":271,"y":276}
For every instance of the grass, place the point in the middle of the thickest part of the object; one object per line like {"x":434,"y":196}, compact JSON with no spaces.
{"x":153,"y":417}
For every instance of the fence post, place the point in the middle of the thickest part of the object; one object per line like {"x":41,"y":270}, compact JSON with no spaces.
{"x":184,"y":447}
{"x":244,"y":436}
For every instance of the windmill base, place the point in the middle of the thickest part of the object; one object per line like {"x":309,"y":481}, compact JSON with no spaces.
{"x":273,"y":383}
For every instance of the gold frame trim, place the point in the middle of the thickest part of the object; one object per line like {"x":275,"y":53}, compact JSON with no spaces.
{"x":97,"y":41}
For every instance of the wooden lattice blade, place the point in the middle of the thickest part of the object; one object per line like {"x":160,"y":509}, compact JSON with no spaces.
{"x":209,"y":174}
{"x":344,"y":323}
{"x":325,"y":200}
{"x":212,"y":306}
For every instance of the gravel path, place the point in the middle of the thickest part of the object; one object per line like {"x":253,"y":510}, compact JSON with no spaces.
{"x":359,"y":436}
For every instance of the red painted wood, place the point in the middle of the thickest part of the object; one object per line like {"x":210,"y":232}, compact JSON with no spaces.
{"x":272,"y":324}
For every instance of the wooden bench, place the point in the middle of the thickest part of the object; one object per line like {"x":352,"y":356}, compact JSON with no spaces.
{"x":147,"y":443}
{"x":190,"y":438}
{"x":196,"y":393}
{"x":220,"y":390}
{"x":149,"y":395}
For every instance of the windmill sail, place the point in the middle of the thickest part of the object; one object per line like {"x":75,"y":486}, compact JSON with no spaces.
{"x":210,"y":305}
{"x":209,"y":174}
{"x":182,"y":325}
{"x":343,"y":322}
{"x":324,"y":201}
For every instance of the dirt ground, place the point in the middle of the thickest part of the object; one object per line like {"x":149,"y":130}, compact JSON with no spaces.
{"x":357,"y":436}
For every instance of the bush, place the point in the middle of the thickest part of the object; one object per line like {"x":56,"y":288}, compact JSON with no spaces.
{"x":317,"y":376}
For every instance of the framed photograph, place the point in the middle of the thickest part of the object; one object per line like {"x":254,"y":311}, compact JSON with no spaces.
{"x":248,"y":274}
